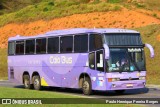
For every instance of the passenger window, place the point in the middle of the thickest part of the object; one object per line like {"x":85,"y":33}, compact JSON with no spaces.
{"x":95,"y":42}
{"x":53,"y":45}
{"x":19,"y":47}
{"x":92,"y":60}
{"x":11,"y":48}
{"x":30,"y":47}
{"x":81,"y":43}
{"x":41,"y":46}
{"x":66,"y":44}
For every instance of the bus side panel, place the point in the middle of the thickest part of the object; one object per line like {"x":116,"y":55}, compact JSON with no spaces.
{"x":61,"y":70}
{"x":64,"y":69}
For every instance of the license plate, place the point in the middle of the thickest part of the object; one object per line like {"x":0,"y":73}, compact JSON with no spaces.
{"x":129,"y":85}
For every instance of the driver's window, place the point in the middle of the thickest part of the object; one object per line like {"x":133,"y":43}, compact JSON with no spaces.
{"x":99,"y":60}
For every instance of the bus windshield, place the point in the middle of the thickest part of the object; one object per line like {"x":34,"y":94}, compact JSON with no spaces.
{"x":126,"y":60}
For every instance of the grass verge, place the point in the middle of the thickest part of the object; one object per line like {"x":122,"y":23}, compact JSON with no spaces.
{"x":23,"y":93}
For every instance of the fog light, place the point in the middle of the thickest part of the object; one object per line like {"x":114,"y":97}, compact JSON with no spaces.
{"x":142,"y":78}
{"x":114,"y":85}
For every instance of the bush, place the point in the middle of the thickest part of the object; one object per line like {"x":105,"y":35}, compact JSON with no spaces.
{"x":51,"y":3}
{"x":45,"y":9}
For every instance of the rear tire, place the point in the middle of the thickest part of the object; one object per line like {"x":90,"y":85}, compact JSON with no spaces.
{"x":119,"y":91}
{"x":37,"y":82}
{"x":26,"y":81}
{"x":87,"y":86}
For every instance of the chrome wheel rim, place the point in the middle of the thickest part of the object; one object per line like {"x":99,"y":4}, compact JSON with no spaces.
{"x":85,"y":86}
{"x":36,"y":82}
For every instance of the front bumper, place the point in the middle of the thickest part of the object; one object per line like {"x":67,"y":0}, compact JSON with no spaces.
{"x":124,"y":85}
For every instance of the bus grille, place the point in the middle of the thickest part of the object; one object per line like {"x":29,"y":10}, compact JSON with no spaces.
{"x":129,"y":79}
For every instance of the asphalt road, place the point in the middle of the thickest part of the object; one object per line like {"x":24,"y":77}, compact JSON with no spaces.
{"x":151,"y":91}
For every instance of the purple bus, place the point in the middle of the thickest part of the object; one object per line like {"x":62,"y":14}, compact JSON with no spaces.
{"x":87,"y":59}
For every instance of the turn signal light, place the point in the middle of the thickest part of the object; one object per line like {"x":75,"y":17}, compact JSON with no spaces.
{"x":113,"y":79}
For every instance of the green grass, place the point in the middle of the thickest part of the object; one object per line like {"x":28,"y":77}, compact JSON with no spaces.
{"x":152,"y":4}
{"x":24,"y":93}
{"x":54,"y":9}
{"x":49,"y":9}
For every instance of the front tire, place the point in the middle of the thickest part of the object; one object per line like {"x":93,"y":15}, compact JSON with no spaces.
{"x":26,"y":81}
{"x":87,"y":86}
{"x":36,"y":82}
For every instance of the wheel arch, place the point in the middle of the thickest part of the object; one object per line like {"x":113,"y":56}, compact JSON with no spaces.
{"x":25,"y":73}
{"x":81,"y":78}
{"x":33,"y":74}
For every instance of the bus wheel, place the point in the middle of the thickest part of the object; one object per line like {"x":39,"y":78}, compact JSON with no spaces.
{"x":86,"y":86}
{"x":119,"y":91}
{"x":36,"y":82}
{"x":26,"y":81}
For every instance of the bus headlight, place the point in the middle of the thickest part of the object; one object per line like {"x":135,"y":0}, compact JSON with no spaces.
{"x":142,"y":77}
{"x":113,"y":79}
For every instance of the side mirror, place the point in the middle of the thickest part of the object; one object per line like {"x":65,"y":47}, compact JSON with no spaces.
{"x":107,"y":53}
{"x":150,"y":49}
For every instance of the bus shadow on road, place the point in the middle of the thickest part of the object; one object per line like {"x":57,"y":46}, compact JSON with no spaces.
{"x":98,"y":93}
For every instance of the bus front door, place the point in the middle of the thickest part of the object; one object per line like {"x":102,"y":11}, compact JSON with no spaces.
{"x":97,"y":65}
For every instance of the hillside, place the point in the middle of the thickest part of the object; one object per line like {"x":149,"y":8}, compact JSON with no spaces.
{"x":46,"y":15}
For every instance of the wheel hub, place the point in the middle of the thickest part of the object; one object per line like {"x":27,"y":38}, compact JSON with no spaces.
{"x":36,"y":82}
{"x":86,"y":86}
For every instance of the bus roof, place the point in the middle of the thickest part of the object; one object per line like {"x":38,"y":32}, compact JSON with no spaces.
{"x":74,"y":31}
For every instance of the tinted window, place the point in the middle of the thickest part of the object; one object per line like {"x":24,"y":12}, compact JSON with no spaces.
{"x":92,"y":60}
{"x":81,"y":43}
{"x":66,"y":44}
{"x":19,"y":47}
{"x":95,"y":42}
{"x":123,"y":39}
{"x":53,"y":45}
{"x":11,"y":48}
{"x":40,"y":46}
{"x":30,"y":46}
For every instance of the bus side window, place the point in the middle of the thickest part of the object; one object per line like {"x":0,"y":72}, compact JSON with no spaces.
{"x":41,"y":46}
{"x":30,"y":46}
{"x":92,"y":60}
{"x":11,"y":48}
{"x":53,"y":45}
{"x":81,"y":43}
{"x":19,"y":47}
{"x":66,"y":44}
{"x":95,"y":42}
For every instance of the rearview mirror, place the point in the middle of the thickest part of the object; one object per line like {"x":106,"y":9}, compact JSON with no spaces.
{"x":107,"y":53}
{"x":150,"y":49}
